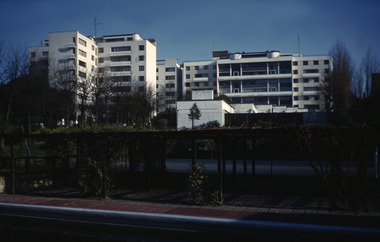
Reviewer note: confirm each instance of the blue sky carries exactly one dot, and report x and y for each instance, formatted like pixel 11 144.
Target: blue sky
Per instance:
pixel 189 30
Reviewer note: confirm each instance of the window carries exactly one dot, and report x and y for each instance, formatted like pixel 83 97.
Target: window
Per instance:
pixel 306 80
pixel 187 68
pixel 141 78
pixel 295 89
pixel 156 69
pixel 205 84
pixel 187 84
pixel 170 94
pixel 309 71
pixel 306 98
pixel 121 58
pixel 120 48
pixel 295 63
pixel 141 88
pixel 316 62
pixel 82 42
pixel 201 75
pixel 101 60
pixel 82 53
pixel 170 85
pixel 121 89
pixel 196 84
pixel 82 74
pixel 82 64
pixel 169 77
pixel 141 68
pixel 187 76
pixel 141 58
pixel 326 62
pixel 311 89
pixel 92 47
pixel 170 69
pixel 214 67
pixel 205 67
pixel 295 98
pixel 45 53
pixel 32 54
pixel 316 79
pixel 295 80
pixel 92 58
pixel 305 63
pixel 120 68
pixel 101 50
pixel 295 72
pixel 141 47
pixel 121 78
pixel 327 71
pixel 197 68
pixel 101 70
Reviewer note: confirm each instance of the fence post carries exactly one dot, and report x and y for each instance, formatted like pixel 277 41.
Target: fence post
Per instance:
pixel 12 168
pixel 163 158
pixel 234 164
pixel 253 162
pixel 245 160
pixel 220 179
pixel 194 151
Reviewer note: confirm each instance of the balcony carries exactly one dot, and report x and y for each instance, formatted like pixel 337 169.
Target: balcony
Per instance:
pixel 201 79
pixel 70 56
pixel 311 93
pixel 120 63
pixel 71 46
pixel 120 53
pixel 253 77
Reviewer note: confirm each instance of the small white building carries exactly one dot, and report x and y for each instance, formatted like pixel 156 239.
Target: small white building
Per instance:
pixel 215 110
pixel 211 110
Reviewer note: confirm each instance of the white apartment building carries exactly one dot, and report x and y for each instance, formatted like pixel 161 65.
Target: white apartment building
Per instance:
pixel 129 61
pixel 198 75
pixel 168 83
pixel 262 78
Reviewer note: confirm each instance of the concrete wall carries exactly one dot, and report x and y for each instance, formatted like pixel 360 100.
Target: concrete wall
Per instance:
pixel 211 110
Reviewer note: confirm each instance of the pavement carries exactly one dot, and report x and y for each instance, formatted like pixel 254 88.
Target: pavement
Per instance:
pixel 293 212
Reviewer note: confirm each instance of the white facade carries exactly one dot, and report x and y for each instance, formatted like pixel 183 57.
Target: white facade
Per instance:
pixel 262 78
pixel 128 59
pixel 211 110
pixel 198 75
pixel 168 83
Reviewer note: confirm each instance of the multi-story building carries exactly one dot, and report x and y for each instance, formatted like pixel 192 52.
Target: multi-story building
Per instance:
pixel 262 78
pixel 168 83
pixel 198 75
pixel 128 61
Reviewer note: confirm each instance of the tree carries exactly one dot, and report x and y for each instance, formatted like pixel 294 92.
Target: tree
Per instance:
pixel 337 85
pixel 63 78
pixel 370 64
pixel 194 114
pixel 102 94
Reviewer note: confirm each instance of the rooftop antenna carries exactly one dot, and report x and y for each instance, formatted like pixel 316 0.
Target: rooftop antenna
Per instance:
pixel 299 50
pixel 95 24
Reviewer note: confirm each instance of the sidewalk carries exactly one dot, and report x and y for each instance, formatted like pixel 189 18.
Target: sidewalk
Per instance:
pixel 288 209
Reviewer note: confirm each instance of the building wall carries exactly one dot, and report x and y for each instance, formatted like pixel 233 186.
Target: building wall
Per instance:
pixel 197 76
pixel 168 80
pixel 262 78
pixel 211 110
